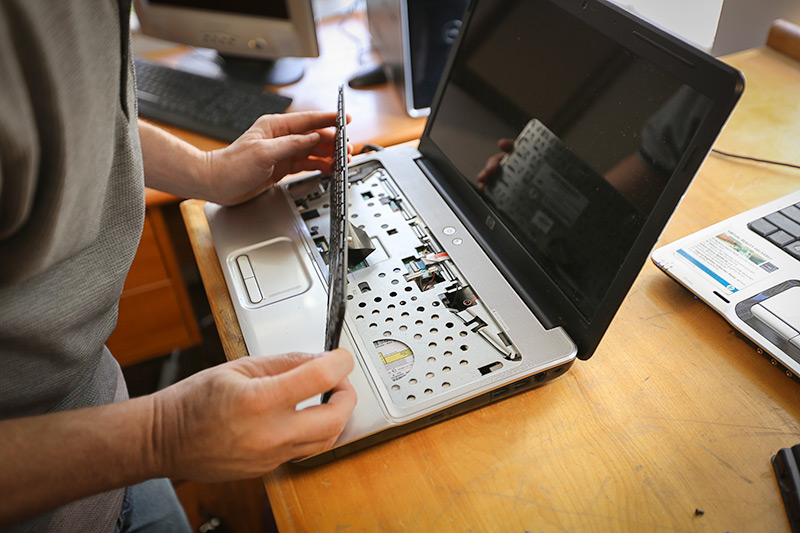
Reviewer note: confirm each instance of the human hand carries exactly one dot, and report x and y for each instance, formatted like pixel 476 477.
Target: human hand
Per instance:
pixel 485 175
pixel 274 146
pixel 238 420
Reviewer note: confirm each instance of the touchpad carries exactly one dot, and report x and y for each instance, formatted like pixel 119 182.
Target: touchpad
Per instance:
pixel 269 272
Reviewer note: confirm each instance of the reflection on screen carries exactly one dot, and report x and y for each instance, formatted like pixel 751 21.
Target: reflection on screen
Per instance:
pixel 570 144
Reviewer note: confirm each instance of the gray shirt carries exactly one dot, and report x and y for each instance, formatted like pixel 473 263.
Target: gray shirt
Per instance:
pixel 71 214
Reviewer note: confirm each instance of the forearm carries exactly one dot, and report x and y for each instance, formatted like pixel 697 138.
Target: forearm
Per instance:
pixel 53 459
pixel 226 422
pixel 171 164
pixel 273 147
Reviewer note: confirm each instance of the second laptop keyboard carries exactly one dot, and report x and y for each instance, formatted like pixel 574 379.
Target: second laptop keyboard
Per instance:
pixel 217 108
pixel 782 228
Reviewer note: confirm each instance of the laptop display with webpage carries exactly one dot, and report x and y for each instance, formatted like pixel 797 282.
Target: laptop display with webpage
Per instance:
pixel 747 268
pixel 463 291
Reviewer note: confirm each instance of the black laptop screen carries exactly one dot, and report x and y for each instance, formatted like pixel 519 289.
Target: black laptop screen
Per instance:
pixel 566 135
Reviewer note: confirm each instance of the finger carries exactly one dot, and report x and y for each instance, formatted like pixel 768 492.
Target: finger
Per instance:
pixel 491 166
pixel 327 138
pixel 307 449
pixel 327 134
pixel 257 367
pixel 289 146
pixel 294 123
pixel 311 163
pixel 313 377
pixel 325 421
pixel 322 150
pixel 326 151
pixel 308 429
pixel 505 145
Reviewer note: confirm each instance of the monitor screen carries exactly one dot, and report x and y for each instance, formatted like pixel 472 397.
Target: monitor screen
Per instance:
pixel 581 137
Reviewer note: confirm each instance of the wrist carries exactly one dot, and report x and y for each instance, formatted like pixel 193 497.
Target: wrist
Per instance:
pixel 175 166
pixel 159 447
pixel 209 172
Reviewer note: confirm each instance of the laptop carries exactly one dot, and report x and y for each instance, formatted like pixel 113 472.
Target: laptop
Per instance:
pixel 585 126
pixel 747 268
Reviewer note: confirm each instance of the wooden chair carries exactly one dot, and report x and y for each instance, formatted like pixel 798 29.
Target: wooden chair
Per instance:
pixel 784 37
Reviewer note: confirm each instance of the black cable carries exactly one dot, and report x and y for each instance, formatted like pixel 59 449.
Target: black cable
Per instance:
pixel 756 159
pixel 370 148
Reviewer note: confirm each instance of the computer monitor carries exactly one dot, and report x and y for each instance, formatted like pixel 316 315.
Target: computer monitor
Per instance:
pixel 258 41
pixel 745 24
pixel 413 39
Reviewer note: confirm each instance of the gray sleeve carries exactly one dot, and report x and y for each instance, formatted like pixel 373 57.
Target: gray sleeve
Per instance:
pixel 19 154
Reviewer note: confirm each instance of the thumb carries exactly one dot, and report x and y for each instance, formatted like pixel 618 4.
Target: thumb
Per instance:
pixel 270 365
pixel 322 373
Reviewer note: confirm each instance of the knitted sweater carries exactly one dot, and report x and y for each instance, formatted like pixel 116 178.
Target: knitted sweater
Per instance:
pixel 71 214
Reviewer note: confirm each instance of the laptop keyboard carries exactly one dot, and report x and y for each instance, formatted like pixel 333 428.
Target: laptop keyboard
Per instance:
pixel 337 240
pixel 782 228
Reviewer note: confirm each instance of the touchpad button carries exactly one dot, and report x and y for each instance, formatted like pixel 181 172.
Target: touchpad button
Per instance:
pixel 273 268
pixel 786 306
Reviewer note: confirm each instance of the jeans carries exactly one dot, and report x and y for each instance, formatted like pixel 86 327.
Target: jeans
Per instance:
pixel 152 507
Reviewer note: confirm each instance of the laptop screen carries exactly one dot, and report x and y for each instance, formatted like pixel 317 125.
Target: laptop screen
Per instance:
pixel 567 137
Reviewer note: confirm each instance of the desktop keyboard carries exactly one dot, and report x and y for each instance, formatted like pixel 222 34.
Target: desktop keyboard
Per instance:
pixel 218 108
pixel 782 228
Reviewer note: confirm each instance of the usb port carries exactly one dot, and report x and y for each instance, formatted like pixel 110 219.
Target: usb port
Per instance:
pixel 521 383
pixel 502 391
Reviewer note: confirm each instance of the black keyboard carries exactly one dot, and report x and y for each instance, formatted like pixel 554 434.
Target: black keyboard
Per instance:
pixel 781 228
pixel 218 108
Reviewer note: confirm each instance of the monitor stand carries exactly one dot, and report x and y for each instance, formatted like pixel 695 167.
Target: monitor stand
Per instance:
pixel 208 62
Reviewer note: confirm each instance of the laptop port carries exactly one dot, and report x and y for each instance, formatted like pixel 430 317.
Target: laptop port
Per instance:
pixel 497 393
pixel 521 383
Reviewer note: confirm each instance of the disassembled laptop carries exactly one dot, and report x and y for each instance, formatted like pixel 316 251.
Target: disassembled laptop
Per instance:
pixel 428 329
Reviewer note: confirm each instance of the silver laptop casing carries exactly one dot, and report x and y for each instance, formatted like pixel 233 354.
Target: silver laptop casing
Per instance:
pixel 292 278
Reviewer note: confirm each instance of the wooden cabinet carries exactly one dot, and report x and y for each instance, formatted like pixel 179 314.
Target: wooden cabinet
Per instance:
pixel 155 314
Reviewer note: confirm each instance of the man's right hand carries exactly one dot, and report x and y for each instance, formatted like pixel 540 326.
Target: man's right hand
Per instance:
pixel 239 420
pixel 232 421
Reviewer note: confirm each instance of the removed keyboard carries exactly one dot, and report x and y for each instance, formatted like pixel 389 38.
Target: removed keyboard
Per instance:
pixel 218 108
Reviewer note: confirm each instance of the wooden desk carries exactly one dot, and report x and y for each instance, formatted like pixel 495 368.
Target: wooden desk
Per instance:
pixel 673 414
